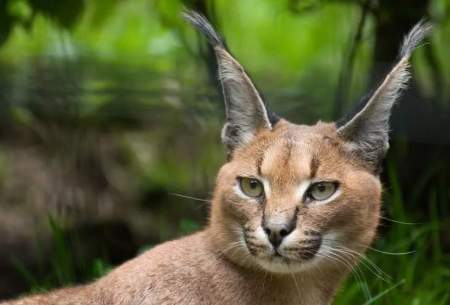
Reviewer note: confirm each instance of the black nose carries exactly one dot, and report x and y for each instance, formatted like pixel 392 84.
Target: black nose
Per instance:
pixel 276 233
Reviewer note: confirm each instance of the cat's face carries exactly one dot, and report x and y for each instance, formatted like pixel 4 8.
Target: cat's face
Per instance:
pixel 294 198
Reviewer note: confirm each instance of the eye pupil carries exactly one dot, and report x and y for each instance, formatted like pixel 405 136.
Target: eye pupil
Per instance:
pixel 321 187
pixel 253 184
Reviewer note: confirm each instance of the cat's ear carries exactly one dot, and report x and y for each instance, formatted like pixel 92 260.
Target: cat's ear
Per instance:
pixel 246 113
pixel 367 129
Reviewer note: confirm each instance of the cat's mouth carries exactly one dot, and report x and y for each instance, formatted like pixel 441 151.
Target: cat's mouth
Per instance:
pixel 284 257
pixel 302 253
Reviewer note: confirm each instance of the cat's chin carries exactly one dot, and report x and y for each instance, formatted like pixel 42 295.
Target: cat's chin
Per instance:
pixel 279 264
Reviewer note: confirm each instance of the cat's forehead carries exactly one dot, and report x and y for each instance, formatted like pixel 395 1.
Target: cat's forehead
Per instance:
pixel 298 148
pixel 293 138
pixel 303 134
pixel 292 150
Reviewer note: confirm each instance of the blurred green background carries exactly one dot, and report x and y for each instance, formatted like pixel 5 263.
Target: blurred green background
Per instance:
pixel 110 123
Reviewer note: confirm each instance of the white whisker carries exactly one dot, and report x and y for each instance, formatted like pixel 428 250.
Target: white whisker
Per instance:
pixel 190 197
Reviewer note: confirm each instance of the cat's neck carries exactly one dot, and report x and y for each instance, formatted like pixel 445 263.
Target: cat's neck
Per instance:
pixel 313 286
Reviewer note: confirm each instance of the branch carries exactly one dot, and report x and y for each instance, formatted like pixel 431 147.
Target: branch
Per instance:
pixel 346 74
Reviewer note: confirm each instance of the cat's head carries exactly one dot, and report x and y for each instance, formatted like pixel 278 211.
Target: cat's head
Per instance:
pixel 295 196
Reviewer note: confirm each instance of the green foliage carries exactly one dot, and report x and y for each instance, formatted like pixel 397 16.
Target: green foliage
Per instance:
pixel 409 254
pixel 65 267
pixel 188 226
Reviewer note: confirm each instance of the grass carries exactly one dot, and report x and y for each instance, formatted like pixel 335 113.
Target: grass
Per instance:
pixel 409 251
pixel 64 267
pixel 406 265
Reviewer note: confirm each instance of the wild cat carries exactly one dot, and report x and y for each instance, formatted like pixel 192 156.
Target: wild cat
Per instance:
pixel 294 206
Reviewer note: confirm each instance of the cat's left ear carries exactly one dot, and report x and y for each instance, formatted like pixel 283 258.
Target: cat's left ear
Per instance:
pixel 367 130
pixel 246 112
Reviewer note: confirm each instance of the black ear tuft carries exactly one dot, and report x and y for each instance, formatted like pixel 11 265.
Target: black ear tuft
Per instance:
pixel 202 24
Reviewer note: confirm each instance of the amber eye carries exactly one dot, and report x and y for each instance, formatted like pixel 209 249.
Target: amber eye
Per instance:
pixel 251 187
pixel 321 190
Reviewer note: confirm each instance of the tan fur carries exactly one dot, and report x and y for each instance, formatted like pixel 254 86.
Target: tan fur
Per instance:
pixel 216 266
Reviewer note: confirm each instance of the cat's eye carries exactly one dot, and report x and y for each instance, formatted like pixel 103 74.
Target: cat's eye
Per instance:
pixel 251 187
pixel 321 190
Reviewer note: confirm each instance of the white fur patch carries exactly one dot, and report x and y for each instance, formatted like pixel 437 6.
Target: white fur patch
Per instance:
pixel 302 188
pixel 266 185
pixel 261 235
pixel 328 240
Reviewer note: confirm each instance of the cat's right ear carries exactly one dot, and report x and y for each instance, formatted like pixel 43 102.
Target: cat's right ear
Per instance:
pixel 246 113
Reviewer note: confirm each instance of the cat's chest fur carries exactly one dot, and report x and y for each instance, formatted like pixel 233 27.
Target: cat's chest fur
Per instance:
pixel 187 272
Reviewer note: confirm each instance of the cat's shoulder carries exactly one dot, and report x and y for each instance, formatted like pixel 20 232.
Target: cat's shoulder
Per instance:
pixel 172 271
pixel 170 254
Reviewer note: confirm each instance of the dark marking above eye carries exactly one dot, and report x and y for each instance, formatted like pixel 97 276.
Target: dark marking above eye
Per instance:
pixel 315 163
pixel 259 162
pixel 287 157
